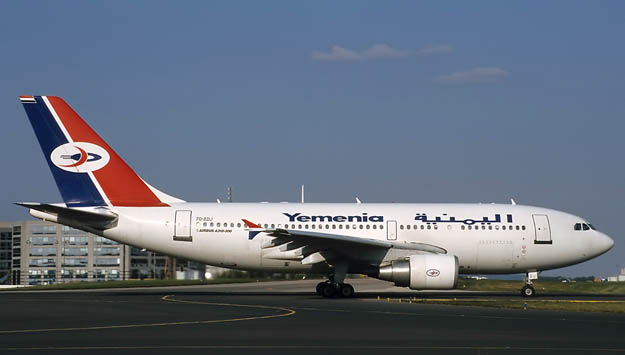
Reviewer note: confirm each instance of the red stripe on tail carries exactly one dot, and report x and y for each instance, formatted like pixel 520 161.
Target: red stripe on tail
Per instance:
pixel 122 186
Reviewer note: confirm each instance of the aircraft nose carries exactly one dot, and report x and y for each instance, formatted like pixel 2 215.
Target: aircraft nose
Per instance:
pixel 603 243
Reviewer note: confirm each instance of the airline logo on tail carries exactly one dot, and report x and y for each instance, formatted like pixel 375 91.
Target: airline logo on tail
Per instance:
pixel 72 148
pixel 79 157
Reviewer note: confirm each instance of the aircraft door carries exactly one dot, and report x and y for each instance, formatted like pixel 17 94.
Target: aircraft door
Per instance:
pixel 391 230
pixel 542 229
pixel 182 226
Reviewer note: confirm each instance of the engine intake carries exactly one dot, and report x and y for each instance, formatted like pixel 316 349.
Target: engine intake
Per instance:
pixel 422 272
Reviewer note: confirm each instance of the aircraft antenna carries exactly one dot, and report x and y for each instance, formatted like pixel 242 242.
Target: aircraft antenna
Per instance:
pixel 229 193
pixel 302 193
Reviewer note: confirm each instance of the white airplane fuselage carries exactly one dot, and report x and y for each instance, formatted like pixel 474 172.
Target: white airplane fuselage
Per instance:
pixel 421 246
pixel 217 235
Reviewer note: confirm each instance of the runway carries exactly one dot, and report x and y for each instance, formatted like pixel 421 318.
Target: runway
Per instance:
pixel 286 317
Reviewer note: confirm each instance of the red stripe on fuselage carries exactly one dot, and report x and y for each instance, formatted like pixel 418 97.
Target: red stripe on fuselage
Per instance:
pixel 122 186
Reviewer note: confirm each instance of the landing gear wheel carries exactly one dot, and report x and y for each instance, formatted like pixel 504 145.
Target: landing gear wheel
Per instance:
pixel 328 290
pixel 528 291
pixel 320 287
pixel 346 291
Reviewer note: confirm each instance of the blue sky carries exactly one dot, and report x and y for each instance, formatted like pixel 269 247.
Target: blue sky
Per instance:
pixel 388 101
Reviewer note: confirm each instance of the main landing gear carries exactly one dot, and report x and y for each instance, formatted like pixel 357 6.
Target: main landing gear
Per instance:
pixel 330 289
pixel 528 290
pixel 335 286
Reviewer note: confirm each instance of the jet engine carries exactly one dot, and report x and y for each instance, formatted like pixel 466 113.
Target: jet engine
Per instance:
pixel 422 272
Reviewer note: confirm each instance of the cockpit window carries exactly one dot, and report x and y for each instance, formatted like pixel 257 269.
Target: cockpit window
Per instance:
pixel 583 226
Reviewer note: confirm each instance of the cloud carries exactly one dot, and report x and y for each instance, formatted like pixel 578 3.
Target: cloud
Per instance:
pixel 475 75
pixel 376 51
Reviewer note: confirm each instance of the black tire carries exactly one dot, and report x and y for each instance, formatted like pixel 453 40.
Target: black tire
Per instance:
pixel 346 291
pixel 320 287
pixel 328 290
pixel 528 291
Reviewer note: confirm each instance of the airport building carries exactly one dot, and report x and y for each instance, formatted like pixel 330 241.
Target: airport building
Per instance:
pixel 37 252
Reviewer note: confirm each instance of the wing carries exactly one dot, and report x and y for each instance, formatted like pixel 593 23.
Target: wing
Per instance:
pixel 314 247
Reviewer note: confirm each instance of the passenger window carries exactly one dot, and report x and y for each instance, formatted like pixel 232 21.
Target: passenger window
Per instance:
pixel 368 226
pixel 381 226
pixel 462 227
pixel 490 227
pixel 407 226
pixel 578 226
pixel 422 227
pixel 469 227
pixel 361 226
pixel 347 226
pixel 313 226
pixel 517 227
pixel 375 226
pixel 340 226
pixel 401 226
pixel 429 226
pixel 522 227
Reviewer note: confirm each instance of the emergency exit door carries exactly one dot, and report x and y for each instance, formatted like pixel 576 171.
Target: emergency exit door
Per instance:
pixel 542 229
pixel 182 226
pixel 391 230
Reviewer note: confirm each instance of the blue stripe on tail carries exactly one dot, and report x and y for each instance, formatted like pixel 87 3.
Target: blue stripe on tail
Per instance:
pixel 77 189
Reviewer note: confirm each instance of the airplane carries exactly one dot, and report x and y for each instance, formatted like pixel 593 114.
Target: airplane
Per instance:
pixel 419 246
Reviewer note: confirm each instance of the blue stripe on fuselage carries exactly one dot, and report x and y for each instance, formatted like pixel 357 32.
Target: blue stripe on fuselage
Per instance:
pixel 77 189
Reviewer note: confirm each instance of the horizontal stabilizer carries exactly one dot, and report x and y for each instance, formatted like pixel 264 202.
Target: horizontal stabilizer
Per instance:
pixel 98 219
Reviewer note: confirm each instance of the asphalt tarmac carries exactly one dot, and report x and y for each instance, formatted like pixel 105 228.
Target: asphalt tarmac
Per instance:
pixel 287 318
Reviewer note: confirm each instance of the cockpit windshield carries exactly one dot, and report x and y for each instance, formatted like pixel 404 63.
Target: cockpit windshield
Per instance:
pixel 583 227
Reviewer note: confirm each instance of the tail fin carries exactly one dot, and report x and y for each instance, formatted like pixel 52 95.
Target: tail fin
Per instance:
pixel 87 171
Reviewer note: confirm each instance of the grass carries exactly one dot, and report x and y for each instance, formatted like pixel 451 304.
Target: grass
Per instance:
pixel 542 287
pixel 135 283
pixel 555 287
pixel 530 304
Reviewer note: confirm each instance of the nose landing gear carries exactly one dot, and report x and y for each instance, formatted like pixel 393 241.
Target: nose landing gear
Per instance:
pixel 528 290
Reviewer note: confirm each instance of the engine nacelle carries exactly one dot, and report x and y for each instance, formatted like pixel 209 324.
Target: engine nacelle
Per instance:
pixel 423 272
